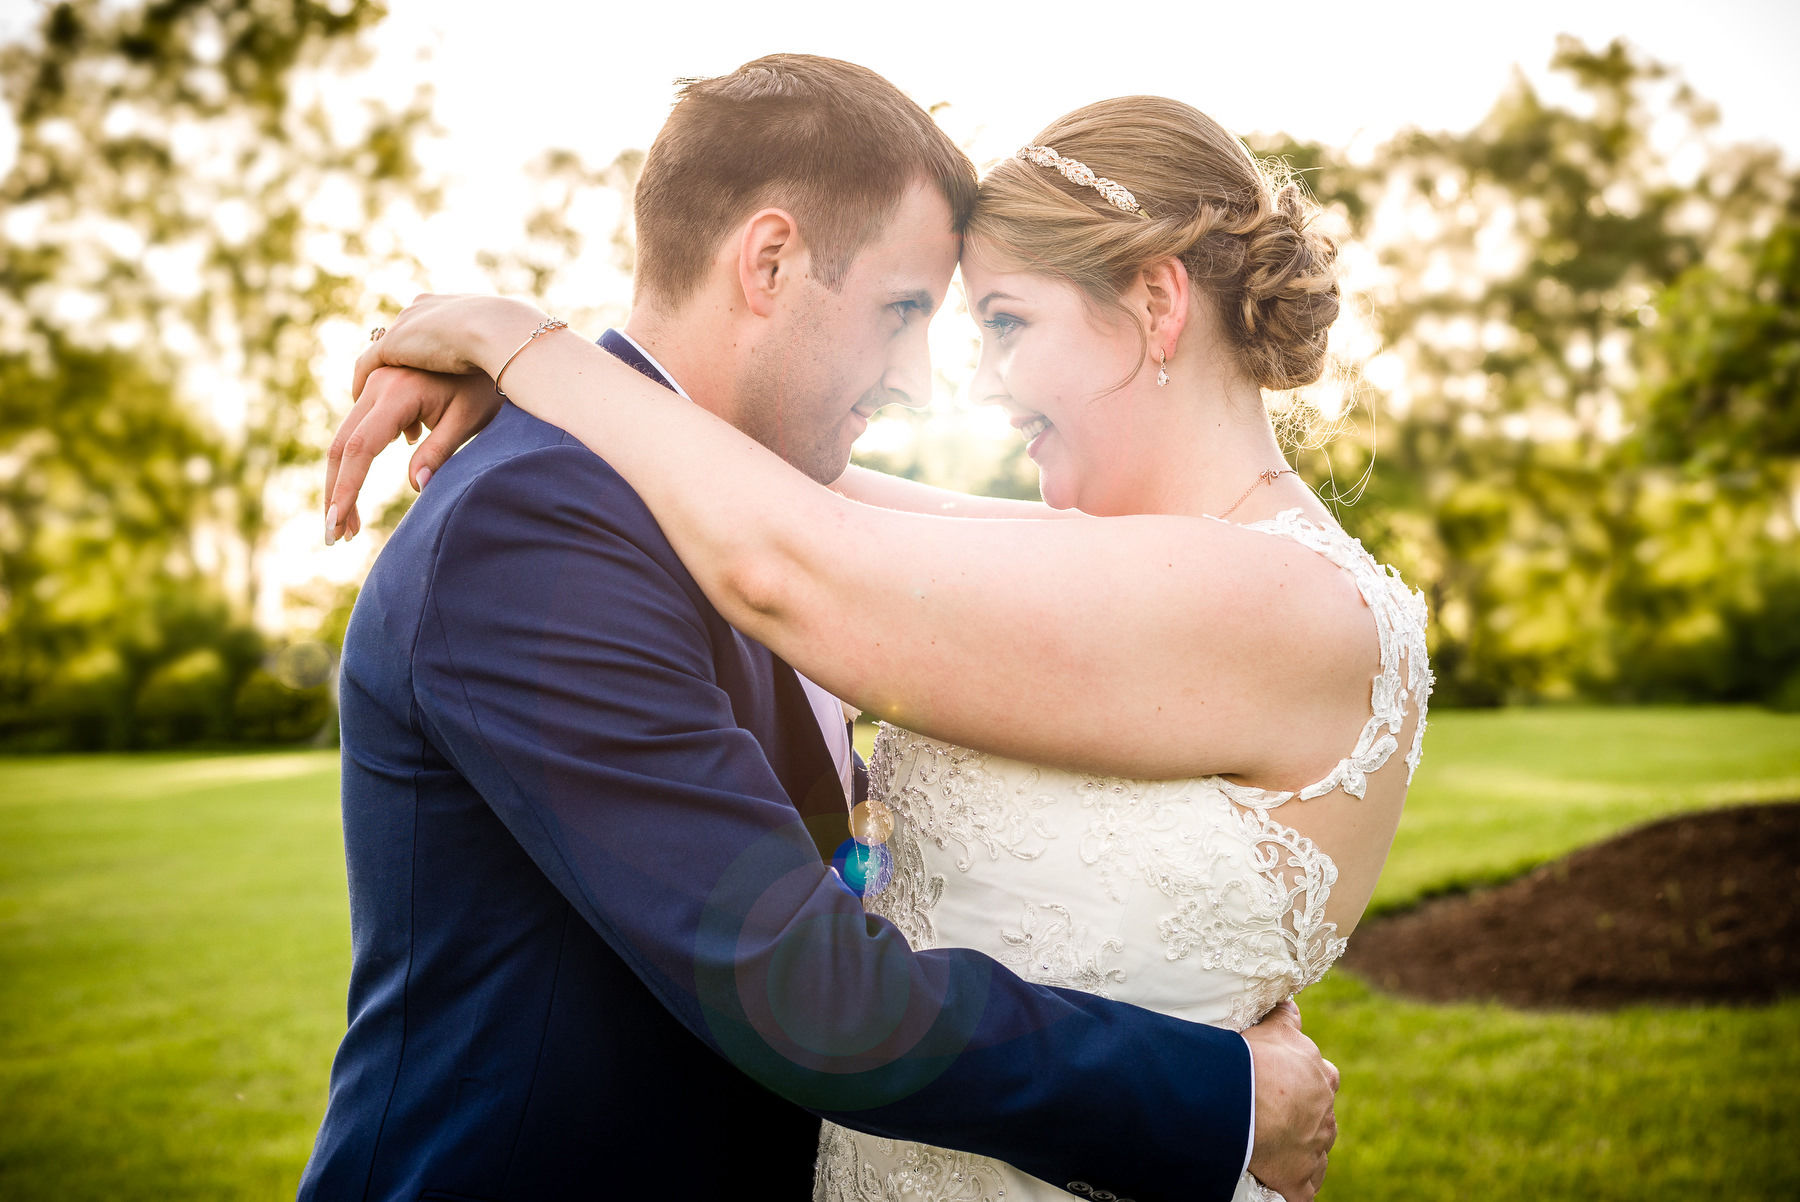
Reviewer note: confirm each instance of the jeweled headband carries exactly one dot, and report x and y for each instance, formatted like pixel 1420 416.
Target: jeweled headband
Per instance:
pixel 1077 172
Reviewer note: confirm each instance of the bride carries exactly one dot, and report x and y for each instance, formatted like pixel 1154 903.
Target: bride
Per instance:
pixel 1155 748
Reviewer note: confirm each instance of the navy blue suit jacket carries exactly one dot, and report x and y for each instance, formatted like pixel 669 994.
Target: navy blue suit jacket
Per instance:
pixel 595 949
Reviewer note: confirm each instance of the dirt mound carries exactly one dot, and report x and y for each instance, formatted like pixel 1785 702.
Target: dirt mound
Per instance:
pixel 1700 908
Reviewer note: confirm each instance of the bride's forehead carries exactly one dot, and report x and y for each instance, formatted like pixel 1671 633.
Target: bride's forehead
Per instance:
pixel 984 273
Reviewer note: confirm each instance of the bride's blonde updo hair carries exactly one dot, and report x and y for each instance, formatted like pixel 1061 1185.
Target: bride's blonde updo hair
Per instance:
pixel 1240 226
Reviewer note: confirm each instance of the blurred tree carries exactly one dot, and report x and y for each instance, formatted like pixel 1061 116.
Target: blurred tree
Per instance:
pixel 1724 381
pixel 101 575
pixel 1721 439
pixel 190 187
pixel 1511 273
pixel 557 264
pixel 195 200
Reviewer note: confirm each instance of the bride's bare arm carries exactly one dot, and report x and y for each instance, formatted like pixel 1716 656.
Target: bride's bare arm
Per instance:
pixel 893 492
pixel 1144 646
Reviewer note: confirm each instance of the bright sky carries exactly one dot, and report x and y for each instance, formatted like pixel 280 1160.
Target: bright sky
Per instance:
pixel 514 78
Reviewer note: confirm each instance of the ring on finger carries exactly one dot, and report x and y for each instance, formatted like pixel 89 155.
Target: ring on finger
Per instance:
pixel 376 333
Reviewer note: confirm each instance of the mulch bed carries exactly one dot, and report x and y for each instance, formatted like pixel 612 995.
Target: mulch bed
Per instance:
pixel 1702 908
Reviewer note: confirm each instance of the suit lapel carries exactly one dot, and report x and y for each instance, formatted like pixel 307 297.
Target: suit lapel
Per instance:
pixel 810 775
pixel 798 753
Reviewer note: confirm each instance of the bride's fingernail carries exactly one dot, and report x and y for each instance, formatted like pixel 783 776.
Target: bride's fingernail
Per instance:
pixel 421 478
pixel 331 525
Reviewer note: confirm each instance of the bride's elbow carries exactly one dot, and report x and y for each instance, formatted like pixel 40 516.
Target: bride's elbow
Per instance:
pixel 774 580
pixel 756 588
pixel 768 588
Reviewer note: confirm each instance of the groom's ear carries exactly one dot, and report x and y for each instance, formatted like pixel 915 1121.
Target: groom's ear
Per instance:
pixel 771 259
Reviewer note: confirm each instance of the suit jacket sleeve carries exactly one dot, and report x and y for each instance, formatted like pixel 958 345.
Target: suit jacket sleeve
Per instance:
pixel 566 667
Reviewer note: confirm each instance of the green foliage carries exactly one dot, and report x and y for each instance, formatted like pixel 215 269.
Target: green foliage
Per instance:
pixel 267 709
pixel 187 211
pixel 1587 443
pixel 1725 394
pixel 174 951
pixel 180 702
pixel 558 261
pixel 103 588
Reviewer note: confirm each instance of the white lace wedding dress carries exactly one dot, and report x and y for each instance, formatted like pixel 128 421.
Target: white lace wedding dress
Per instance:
pixel 1188 897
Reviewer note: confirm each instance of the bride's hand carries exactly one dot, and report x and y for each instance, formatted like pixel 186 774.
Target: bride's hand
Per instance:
pixel 395 401
pixel 455 334
pixel 430 368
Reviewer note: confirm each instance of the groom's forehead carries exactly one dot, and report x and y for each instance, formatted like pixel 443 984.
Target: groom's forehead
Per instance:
pixel 916 249
pixel 915 273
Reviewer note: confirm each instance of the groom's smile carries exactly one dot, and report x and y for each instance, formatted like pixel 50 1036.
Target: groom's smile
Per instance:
pixel 865 339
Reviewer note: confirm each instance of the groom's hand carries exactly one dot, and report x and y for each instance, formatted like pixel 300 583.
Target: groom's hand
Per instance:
pixel 1295 1091
pixel 395 401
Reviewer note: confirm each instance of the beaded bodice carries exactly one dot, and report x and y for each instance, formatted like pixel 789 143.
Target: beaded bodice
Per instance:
pixel 1189 897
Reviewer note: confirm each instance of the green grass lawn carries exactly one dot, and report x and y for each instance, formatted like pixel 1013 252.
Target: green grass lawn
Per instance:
pixel 174 948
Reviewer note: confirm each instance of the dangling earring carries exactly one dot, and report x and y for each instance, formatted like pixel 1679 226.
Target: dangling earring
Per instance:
pixel 1162 374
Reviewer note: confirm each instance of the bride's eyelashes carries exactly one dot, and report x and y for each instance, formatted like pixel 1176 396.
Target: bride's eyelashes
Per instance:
pixel 1002 325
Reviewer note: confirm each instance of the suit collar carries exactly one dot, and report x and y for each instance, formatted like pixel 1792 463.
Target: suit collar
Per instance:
pixel 623 348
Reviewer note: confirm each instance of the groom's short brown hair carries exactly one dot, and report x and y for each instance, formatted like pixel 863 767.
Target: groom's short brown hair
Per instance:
pixel 834 144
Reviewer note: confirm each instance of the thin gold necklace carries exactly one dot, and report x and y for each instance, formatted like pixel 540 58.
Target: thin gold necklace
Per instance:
pixel 1268 477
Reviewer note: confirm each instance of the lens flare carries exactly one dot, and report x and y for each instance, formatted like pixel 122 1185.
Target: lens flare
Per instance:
pixel 871 821
pixel 866 868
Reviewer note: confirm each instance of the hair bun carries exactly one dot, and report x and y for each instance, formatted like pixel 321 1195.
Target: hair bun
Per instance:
pixel 1288 291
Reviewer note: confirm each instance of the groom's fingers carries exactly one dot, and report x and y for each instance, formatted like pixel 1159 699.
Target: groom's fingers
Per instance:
pixel 1287 1012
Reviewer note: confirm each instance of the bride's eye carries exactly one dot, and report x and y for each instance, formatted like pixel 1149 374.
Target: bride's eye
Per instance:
pixel 1002 325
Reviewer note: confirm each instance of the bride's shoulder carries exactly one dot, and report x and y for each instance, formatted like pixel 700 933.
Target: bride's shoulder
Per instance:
pixel 1322 534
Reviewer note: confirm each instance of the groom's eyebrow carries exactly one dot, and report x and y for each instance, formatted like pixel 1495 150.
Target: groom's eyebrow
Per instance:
pixel 926 302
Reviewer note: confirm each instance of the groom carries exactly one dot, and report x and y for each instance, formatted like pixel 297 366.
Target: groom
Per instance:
pixel 595 948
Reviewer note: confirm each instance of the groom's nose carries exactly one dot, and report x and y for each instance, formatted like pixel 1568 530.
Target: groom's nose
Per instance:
pixel 907 380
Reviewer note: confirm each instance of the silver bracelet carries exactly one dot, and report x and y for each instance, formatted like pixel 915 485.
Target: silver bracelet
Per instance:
pixel 544 327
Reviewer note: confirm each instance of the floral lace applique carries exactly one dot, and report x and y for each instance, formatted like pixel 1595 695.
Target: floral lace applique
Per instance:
pixel 918 1172
pixel 1050 949
pixel 841 1174
pixel 1277 938
pixel 1136 831
pixel 946 794
pixel 968 805
pixel 912 892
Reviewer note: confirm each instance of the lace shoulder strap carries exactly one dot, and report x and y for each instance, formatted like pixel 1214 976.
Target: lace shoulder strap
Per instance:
pixel 1405 673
